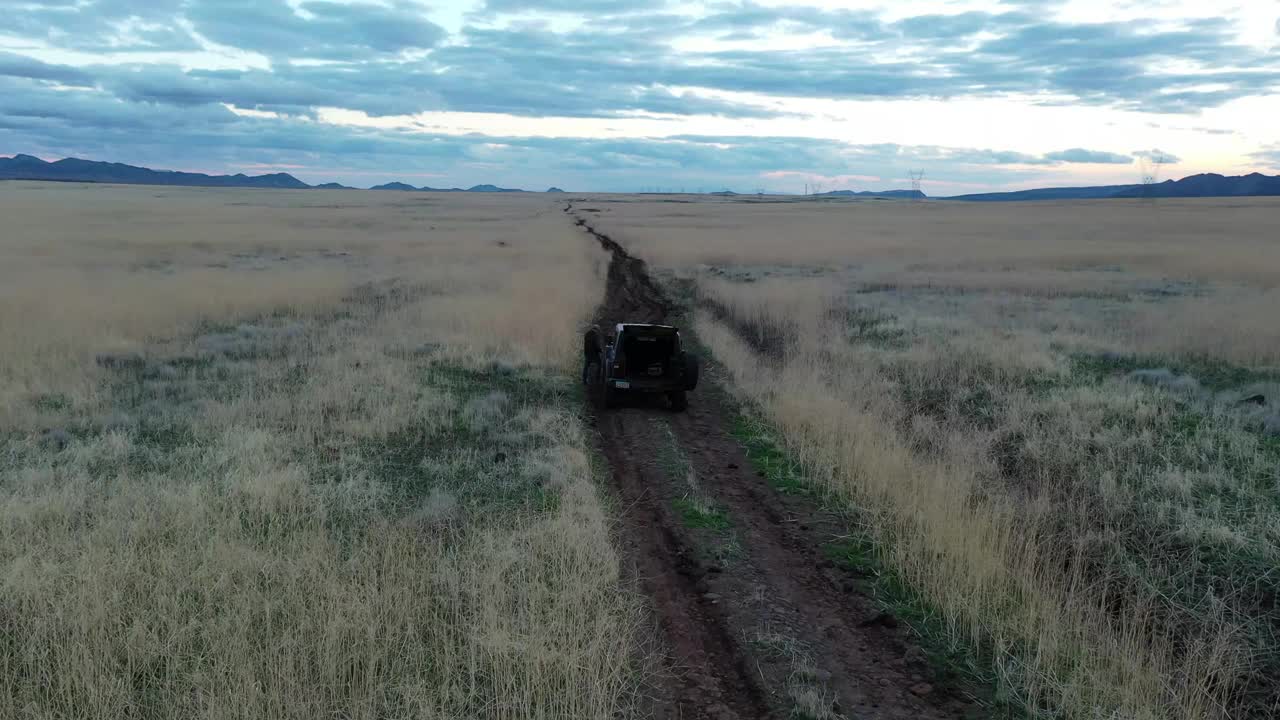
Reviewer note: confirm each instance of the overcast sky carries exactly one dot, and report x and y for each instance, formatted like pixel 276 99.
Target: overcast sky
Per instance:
pixel 620 95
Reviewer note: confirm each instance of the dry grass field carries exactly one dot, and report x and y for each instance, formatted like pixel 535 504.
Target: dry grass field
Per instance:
pixel 299 455
pixel 1057 423
pixel 284 454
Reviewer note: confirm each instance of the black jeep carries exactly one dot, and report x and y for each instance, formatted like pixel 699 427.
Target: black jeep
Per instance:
pixel 638 359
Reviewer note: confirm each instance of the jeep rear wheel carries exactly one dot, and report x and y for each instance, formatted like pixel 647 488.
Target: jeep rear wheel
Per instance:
pixel 690 371
pixel 595 385
pixel 679 400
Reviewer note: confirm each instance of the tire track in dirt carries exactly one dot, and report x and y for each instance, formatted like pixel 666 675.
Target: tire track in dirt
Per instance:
pixel 721 621
pixel 705 675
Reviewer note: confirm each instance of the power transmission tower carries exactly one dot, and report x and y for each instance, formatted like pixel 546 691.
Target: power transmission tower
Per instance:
pixel 1149 165
pixel 917 178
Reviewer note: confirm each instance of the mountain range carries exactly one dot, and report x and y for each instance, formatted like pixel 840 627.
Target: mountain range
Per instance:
pixel 896 194
pixel 1206 185
pixel 27 167
pixel 473 188
pixel 893 194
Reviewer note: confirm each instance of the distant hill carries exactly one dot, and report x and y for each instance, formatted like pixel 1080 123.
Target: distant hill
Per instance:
pixel 1207 185
pixel 475 188
pixel 1210 185
pixel 1063 193
pixel 901 194
pixel 490 188
pixel 26 167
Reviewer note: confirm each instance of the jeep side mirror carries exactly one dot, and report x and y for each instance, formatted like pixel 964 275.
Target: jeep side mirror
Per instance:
pixel 609 341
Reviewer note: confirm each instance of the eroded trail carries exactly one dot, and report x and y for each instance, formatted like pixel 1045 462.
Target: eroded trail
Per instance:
pixel 754 620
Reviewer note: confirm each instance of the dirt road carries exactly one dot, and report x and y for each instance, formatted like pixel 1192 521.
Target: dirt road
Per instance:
pixel 756 622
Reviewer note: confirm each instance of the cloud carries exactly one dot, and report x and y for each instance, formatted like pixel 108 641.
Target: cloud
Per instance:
pixel 103 25
pixel 569 6
pixel 1120 63
pixel 406 88
pixel 254 89
pixel 96 124
pixel 1268 155
pixel 317 29
pixel 1080 155
pixel 13 65
pixel 85 111
pixel 590 59
pixel 1115 63
pixel 748 19
pixel 1157 156
pixel 619 62
pixel 958 25
pixel 320 29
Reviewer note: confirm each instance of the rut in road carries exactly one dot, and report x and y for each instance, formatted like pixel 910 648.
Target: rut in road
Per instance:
pixel 772 629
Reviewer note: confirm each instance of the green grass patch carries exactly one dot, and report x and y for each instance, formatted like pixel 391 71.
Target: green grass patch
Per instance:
pixel 479 449
pixel 695 510
pixel 193 363
pixel 874 328
pixel 697 515
pixel 952 660
pixel 51 402
pixel 768 458
pixel 855 555
pixel 478 453
pixel 525 385
pixel 673 463
pixel 1211 373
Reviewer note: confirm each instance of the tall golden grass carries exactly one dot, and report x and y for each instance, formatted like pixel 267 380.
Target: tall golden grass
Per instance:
pixel 1211 239
pixel 983 562
pixel 1218 253
pixel 1103 540
pixel 306 484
